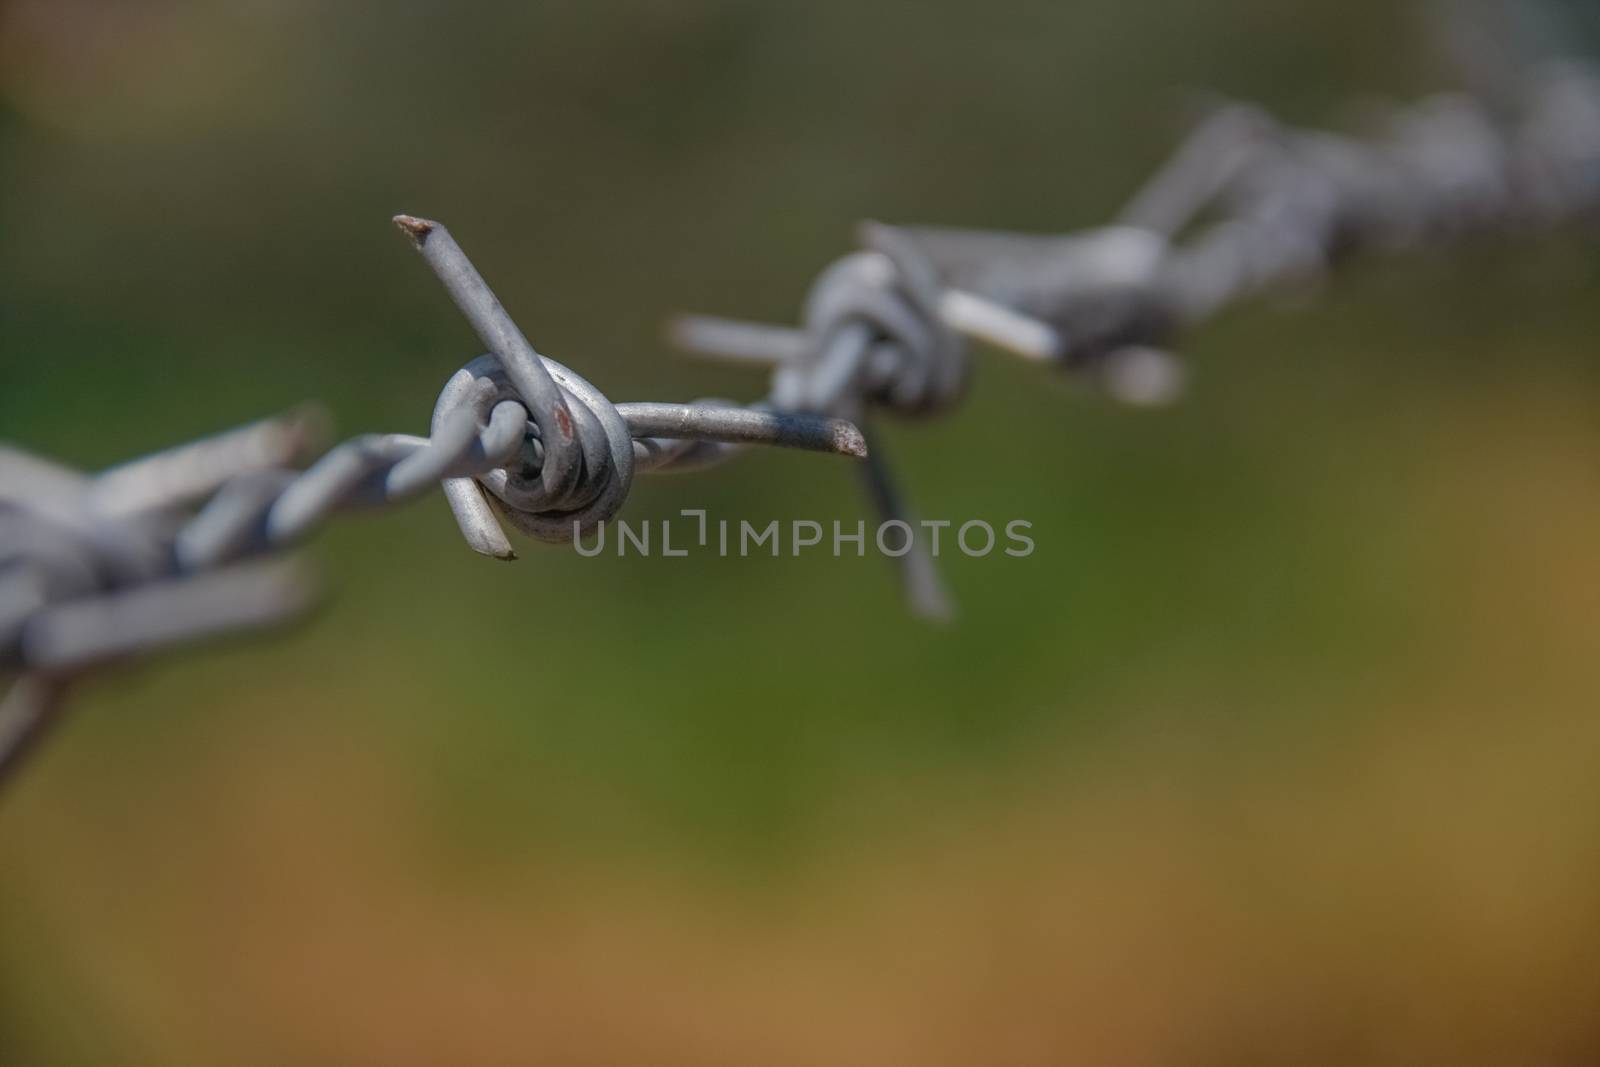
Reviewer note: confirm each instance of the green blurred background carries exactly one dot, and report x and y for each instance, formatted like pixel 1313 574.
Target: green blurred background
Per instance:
pixel 1280 748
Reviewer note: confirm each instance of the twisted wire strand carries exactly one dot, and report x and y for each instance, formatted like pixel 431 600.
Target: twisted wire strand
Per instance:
pixel 170 548
pixel 181 545
pixel 583 448
pixel 1245 206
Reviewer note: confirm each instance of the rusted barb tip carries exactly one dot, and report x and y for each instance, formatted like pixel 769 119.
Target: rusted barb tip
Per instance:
pixel 417 229
pixel 849 439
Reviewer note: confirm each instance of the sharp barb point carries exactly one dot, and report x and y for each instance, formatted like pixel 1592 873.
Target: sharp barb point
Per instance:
pixel 417 229
pixel 851 441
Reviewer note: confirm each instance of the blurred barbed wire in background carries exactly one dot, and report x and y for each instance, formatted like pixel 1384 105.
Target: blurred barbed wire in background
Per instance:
pixel 172 548
pixel 1247 205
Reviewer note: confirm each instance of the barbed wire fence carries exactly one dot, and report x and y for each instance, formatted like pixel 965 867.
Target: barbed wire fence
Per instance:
pixel 189 543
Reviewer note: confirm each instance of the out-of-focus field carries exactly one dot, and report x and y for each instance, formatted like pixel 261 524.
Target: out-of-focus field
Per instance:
pixel 1279 749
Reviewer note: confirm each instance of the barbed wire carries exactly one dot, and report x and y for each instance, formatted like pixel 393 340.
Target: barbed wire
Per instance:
pixel 182 545
pixel 1246 206
pixel 99 569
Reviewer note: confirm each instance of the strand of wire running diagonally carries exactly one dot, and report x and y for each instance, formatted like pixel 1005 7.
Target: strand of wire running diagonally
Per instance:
pixel 181 545
pixel 1246 206
pixel 172 547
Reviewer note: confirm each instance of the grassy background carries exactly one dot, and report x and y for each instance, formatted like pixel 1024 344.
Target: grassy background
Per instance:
pixel 1278 748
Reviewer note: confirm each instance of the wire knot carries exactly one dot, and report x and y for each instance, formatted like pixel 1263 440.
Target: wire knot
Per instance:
pixel 875 334
pixel 553 453
pixel 570 463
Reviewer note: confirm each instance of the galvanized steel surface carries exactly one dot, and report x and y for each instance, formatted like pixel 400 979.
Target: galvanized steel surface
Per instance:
pixel 180 546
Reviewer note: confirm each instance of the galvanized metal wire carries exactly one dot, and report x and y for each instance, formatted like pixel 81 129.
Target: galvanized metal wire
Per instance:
pixel 186 544
pixel 175 547
pixel 1245 207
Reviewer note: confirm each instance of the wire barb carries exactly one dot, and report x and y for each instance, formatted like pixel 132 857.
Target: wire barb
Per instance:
pixel 1246 206
pixel 168 549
